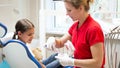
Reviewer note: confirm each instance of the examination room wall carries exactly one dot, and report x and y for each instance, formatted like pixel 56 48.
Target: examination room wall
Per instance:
pixel 13 10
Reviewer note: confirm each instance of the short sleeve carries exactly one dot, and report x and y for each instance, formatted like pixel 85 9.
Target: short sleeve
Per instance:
pixel 95 35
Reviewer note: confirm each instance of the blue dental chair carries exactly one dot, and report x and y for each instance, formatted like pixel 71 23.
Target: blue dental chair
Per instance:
pixel 18 55
pixel 3 31
pixel 14 53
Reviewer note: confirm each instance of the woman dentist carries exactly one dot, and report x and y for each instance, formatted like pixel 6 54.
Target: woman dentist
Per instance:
pixel 85 34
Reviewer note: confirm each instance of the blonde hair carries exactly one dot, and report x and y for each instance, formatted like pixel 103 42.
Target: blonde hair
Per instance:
pixel 77 3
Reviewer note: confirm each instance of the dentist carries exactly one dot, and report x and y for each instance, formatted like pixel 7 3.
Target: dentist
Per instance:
pixel 85 34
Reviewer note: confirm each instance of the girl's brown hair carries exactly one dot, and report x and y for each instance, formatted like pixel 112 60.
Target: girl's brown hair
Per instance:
pixel 22 25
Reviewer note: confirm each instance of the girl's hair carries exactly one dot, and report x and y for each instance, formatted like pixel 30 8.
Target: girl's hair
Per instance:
pixel 77 3
pixel 22 25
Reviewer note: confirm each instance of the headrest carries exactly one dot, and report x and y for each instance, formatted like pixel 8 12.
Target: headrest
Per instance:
pixel 21 48
pixel 3 30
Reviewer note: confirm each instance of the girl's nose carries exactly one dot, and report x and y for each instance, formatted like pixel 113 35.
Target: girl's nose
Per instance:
pixel 66 14
pixel 32 36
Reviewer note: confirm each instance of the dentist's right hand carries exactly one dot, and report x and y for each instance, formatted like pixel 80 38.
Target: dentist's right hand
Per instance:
pixel 50 44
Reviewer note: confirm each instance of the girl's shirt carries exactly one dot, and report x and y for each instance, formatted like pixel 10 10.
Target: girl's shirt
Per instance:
pixel 30 49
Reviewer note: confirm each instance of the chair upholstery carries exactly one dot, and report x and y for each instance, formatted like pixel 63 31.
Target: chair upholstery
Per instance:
pixel 3 30
pixel 18 55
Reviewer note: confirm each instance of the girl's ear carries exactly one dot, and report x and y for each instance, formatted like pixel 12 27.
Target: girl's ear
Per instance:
pixel 19 33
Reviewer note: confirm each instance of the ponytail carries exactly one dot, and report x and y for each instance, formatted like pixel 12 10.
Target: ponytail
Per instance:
pixel 15 36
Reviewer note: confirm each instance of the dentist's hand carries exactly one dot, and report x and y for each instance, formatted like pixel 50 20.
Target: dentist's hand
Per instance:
pixel 69 47
pixel 50 44
pixel 65 60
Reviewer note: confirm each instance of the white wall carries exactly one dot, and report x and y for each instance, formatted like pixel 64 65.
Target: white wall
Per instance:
pixel 13 10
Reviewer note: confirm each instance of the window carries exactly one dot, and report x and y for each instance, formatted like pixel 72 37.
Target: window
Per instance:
pixel 118 8
pixel 55 14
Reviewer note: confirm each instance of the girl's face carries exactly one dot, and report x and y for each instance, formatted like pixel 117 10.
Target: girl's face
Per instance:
pixel 27 36
pixel 74 13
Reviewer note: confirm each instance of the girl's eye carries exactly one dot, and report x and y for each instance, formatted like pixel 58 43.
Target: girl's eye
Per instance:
pixel 69 10
pixel 30 34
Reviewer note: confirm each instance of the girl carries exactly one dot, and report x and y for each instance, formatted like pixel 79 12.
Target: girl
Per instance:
pixel 24 31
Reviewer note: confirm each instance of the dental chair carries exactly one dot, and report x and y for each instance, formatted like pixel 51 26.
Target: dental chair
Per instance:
pixel 18 55
pixel 3 31
pixel 14 53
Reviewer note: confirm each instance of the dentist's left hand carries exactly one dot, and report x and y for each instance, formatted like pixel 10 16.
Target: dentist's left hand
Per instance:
pixel 65 60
